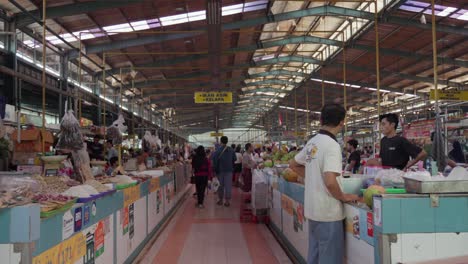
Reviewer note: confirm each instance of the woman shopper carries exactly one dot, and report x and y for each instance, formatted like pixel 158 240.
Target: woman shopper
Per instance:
pixel 237 166
pixel 248 163
pixel 201 169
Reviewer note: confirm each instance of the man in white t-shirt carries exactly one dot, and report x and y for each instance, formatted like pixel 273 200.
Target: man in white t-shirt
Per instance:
pixel 320 163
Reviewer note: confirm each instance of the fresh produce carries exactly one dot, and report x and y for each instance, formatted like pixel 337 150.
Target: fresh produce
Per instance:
pixel 289 175
pixel 268 164
pixel 370 192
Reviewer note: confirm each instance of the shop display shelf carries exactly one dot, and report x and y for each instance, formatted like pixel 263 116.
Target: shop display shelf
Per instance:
pixel 125 186
pixel 94 197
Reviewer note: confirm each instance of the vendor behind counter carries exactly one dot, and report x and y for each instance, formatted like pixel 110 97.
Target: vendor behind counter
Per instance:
pixel 395 151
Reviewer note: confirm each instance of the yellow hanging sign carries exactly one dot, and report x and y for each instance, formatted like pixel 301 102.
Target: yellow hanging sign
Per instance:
pixel 213 134
pixel 213 97
pixel 154 185
pixel 131 195
pixel 452 95
pixel 68 252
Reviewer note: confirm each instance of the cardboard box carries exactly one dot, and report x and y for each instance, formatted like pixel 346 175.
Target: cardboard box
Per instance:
pixel 31 169
pixel 24 158
pixel 31 140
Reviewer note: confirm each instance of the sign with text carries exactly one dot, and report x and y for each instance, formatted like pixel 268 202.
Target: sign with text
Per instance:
pixel 131 195
pixel 69 252
pixel 213 134
pixel 213 97
pixel 154 185
pixel 452 95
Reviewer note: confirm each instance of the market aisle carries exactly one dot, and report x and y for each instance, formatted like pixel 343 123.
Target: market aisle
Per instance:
pixel 214 235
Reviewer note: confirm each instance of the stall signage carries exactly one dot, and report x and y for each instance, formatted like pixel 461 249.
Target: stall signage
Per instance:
pixel 67 252
pixel 131 195
pixel 67 225
pixel 419 129
pixel 213 134
pixel 451 95
pixel 78 218
pixel 99 239
pixel 213 97
pixel 287 204
pixel 154 184
pixel 125 219
pixel 86 215
pixel 370 224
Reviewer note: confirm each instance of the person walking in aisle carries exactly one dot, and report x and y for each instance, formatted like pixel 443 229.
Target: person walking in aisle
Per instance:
pixel 201 170
pixel 248 163
pixel 111 151
pixel 223 162
pixel 320 163
pixel 237 166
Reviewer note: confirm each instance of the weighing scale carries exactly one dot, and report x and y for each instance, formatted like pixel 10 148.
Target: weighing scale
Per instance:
pixel 52 164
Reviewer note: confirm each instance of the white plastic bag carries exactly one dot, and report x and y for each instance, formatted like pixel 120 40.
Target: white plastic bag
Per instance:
pixel 115 131
pixel 215 184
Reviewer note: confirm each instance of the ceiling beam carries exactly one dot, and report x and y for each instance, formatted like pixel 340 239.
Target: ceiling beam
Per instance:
pixel 415 23
pixel 246 23
pixel 24 20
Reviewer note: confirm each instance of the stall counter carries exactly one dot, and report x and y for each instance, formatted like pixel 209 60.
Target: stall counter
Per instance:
pixel 111 229
pixel 407 228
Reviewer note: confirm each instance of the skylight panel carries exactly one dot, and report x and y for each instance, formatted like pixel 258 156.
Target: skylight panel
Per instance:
pixel 197 16
pixel 140 25
pixel 125 27
pixel 233 9
pixel 174 20
pixel 440 10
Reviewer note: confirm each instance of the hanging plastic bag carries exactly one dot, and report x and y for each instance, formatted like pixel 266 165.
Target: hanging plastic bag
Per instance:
pixel 215 184
pixel 114 132
pixel 70 137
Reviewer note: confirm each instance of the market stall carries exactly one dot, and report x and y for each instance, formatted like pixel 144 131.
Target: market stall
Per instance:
pixel 402 228
pixel 110 229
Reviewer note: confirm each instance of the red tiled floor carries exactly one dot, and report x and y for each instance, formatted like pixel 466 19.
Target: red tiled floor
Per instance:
pixel 213 235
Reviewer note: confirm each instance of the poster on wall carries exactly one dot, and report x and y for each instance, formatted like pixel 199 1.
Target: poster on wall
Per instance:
pixel 131 220
pixel 67 225
pixel 295 227
pixel 155 208
pixel 352 221
pixel 97 236
pixel 69 251
pixel 125 220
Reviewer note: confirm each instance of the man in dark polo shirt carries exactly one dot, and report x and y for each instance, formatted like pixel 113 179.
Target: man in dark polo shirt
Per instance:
pixel 395 151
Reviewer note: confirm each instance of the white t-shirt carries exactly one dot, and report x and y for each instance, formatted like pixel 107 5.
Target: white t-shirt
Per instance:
pixel 321 154
pixel 238 158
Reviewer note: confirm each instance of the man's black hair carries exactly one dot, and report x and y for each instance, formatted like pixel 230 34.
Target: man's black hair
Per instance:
pixel 247 146
pixel 224 140
pixel 353 143
pixel 113 161
pixel 110 141
pixel 332 114
pixel 391 118
pixel 97 136
pixel 233 146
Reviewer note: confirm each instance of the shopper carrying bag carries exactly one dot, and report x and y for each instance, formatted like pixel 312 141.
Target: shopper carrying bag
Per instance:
pixel 223 159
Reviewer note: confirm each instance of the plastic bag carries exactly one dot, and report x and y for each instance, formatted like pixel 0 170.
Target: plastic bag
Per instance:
pixel 115 131
pixel 215 184
pixel 70 137
pixel 391 177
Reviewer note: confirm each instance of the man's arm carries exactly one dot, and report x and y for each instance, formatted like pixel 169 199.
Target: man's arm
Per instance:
pixel 297 168
pixel 421 156
pixel 351 165
pixel 334 188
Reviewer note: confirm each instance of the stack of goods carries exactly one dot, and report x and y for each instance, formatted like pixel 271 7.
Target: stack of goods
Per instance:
pixel 81 191
pixel 15 197
pixel 51 185
pixel 97 185
pixel 52 202
pixel 390 178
